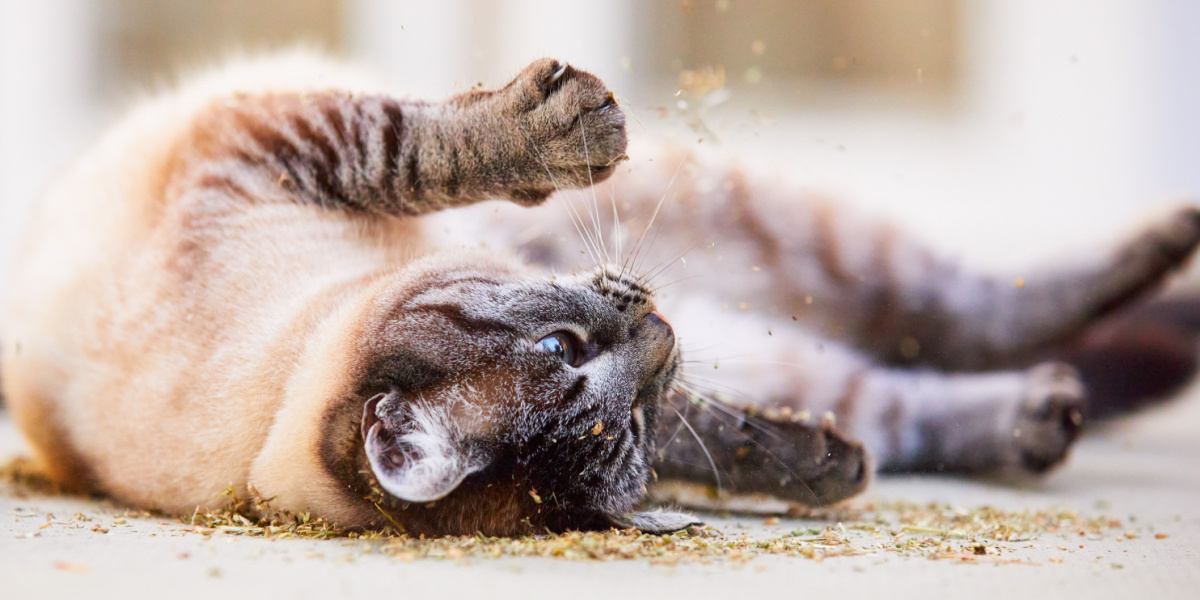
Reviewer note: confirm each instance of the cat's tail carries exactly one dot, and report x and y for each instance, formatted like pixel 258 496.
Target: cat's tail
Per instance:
pixel 1139 357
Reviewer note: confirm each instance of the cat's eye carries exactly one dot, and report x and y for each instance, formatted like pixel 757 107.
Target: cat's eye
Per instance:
pixel 563 344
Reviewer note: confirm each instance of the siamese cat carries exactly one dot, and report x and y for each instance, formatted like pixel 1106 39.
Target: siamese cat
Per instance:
pixel 245 284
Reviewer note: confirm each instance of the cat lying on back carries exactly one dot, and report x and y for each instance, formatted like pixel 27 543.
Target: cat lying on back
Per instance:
pixel 237 287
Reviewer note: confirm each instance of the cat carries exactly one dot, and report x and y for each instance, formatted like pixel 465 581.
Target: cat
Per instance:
pixel 245 284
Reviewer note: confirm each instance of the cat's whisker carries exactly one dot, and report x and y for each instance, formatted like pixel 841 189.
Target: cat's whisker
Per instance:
pixel 675 433
pixel 621 250
pixel 703 396
pixel 718 388
pixel 656 271
pixel 595 212
pixel 703 448
pixel 649 247
pixel 706 398
pixel 658 288
pixel 714 387
pixel 697 356
pixel 576 220
pixel 634 266
pixel 585 237
pixel 616 227
pixel 580 229
pixel 631 262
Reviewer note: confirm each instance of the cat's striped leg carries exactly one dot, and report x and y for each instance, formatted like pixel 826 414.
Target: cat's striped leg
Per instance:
pixel 1010 421
pixel 781 252
pixel 553 126
pixel 716 454
pixel 908 419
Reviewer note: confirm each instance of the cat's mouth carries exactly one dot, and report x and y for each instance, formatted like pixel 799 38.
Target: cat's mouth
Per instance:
pixel 652 392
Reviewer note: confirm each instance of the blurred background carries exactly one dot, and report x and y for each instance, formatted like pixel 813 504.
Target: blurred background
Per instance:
pixel 1000 130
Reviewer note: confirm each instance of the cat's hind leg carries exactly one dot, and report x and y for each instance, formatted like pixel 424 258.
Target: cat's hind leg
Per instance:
pixel 1007 422
pixel 717 451
pixel 785 252
pixel 908 419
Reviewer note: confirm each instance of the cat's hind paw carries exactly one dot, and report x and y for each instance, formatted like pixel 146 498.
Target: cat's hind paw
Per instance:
pixel 1144 262
pixel 1178 235
pixel 1049 417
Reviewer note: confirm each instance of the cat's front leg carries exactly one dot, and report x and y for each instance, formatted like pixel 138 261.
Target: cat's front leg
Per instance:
pixel 552 127
pixel 716 455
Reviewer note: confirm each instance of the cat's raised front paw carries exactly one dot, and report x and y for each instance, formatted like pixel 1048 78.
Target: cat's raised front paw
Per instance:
pixel 566 128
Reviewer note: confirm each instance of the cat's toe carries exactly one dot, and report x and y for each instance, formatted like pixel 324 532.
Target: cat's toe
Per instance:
pixel 1050 417
pixel 530 88
pixel 585 127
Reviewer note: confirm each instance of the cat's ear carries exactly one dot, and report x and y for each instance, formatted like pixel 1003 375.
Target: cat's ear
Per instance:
pixel 415 450
pixel 655 521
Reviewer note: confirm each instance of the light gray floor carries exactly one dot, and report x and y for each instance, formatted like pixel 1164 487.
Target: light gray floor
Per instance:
pixel 1145 472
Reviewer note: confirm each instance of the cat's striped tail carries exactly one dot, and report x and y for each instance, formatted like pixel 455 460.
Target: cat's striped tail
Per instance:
pixel 1139 357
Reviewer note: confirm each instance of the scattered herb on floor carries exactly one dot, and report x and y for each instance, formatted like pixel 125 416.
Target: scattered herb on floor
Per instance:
pixel 932 530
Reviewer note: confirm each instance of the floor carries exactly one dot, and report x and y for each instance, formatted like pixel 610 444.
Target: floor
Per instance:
pixel 1141 476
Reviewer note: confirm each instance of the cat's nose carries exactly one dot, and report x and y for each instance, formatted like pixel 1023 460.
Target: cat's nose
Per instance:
pixel 657 323
pixel 656 339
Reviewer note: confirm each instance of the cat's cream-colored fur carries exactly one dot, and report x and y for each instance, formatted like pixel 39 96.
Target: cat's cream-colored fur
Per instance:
pixel 92 269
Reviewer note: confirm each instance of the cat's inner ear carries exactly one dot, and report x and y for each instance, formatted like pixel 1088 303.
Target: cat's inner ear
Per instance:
pixel 415 450
pixel 655 521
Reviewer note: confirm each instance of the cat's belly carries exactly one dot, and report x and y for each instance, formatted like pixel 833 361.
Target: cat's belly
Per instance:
pixel 158 382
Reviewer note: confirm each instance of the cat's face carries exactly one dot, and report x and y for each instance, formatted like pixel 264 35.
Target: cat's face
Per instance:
pixel 532 399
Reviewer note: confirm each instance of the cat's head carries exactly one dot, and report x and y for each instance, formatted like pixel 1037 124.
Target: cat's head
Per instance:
pixel 502 402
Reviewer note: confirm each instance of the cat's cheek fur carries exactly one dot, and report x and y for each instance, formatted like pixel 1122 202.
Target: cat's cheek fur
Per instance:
pixel 294 465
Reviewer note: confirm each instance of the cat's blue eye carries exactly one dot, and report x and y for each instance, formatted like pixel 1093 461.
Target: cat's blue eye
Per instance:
pixel 562 344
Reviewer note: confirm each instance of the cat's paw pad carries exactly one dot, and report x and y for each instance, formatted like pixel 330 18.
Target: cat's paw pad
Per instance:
pixel 569 122
pixel 1049 418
